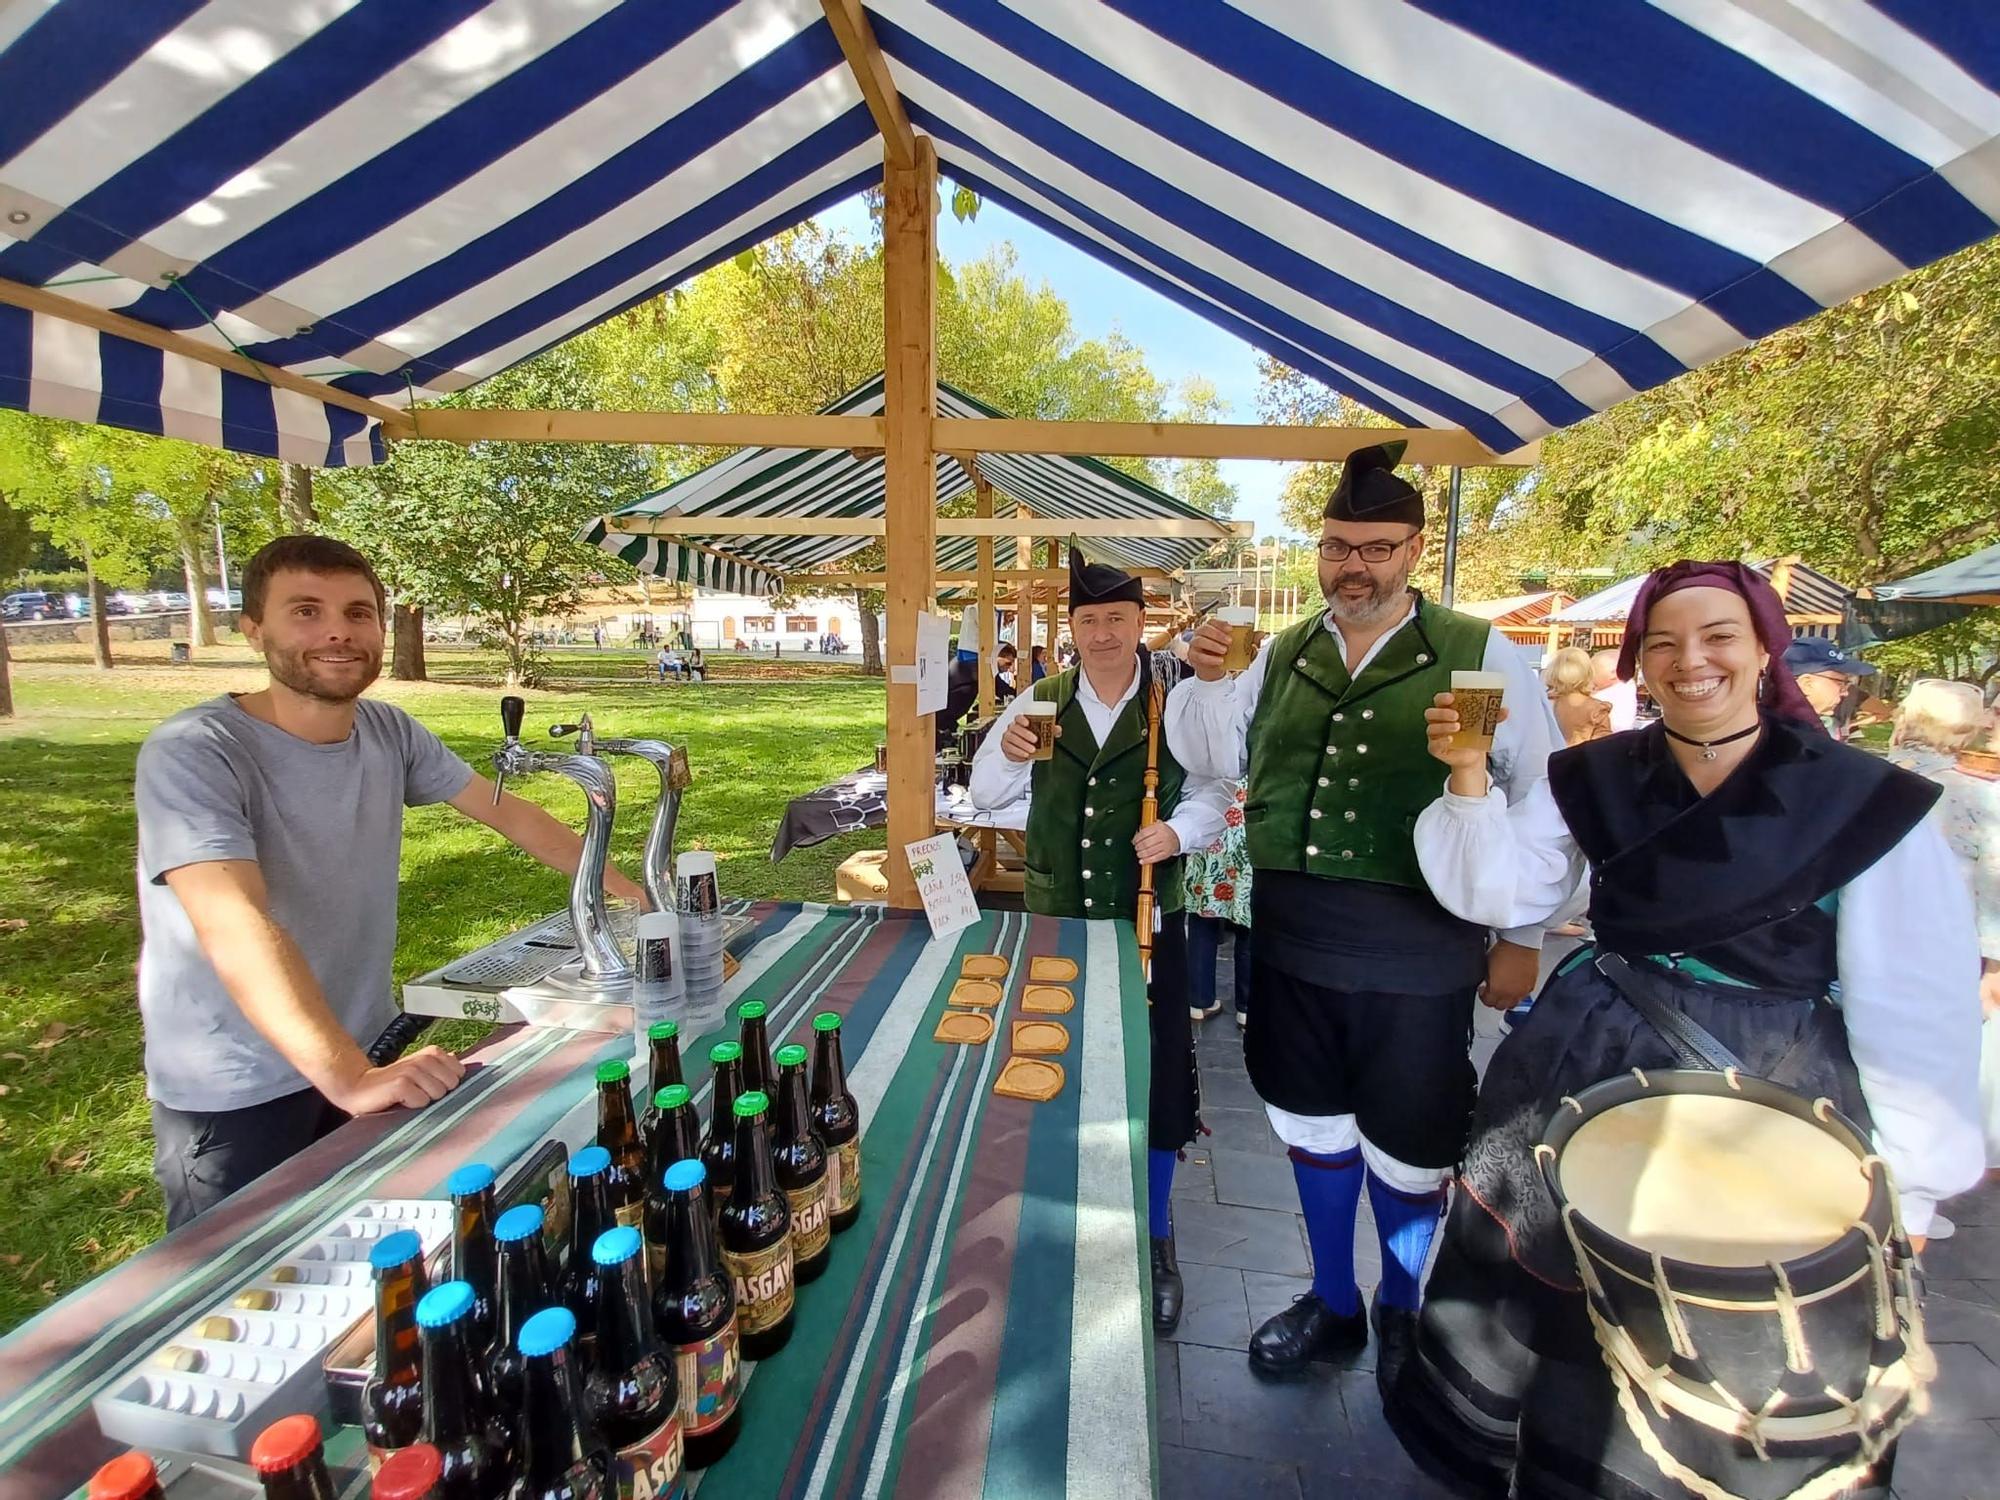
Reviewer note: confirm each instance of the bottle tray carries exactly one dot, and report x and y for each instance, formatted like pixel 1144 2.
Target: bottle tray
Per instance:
pixel 227 1374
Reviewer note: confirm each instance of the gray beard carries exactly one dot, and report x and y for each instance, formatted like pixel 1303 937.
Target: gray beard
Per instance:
pixel 1373 610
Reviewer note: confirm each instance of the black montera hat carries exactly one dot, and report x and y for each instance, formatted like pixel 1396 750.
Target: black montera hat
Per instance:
pixel 1100 583
pixel 1371 490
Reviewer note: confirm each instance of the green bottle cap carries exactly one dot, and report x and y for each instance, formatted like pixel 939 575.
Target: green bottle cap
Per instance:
pixel 752 1103
pixel 663 1031
pixel 826 1020
pixel 753 1010
pixel 725 1052
pixel 613 1072
pixel 793 1056
pixel 673 1096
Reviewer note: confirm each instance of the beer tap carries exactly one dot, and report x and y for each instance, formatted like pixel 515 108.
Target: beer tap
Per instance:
pixel 659 859
pixel 604 965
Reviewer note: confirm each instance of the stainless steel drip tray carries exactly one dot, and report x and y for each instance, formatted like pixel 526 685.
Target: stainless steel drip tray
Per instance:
pixel 530 954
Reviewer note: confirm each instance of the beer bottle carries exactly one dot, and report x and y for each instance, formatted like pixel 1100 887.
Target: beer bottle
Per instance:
pixel 630 1391
pixel 290 1460
pixel 799 1159
pixel 461 1420
pixel 618 1133
pixel 524 1290
pixel 589 1216
pixel 756 1234
pixel 562 1456
pixel 758 1071
pixel 392 1402
pixel 837 1121
pixel 676 1136
pixel 718 1151
pixel 472 1249
pixel 129 1476
pixel 663 1047
pixel 412 1473
pixel 694 1311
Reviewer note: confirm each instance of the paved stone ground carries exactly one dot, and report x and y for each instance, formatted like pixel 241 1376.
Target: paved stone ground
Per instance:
pixel 1226 1432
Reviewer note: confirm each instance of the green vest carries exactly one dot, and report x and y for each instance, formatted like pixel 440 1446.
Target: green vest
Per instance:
pixel 1085 809
pixel 1339 766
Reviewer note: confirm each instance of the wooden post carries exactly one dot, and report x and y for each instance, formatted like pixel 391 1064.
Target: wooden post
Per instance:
pixel 985 599
pixel 909 292
pixel 1054 609
pixel 1024 597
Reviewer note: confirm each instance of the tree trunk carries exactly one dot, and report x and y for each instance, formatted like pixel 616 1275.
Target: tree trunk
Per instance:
pixel 871 638
pixel 408 662
pixel 201 624
pixel 6 678
pixel 296 511
pixel 100 627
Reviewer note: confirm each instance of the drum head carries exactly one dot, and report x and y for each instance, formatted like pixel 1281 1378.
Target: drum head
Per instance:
pixel 1712 1179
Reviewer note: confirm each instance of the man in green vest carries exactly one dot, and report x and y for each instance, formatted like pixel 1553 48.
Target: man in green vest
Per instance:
pixel 1086 848
pixel 1362 985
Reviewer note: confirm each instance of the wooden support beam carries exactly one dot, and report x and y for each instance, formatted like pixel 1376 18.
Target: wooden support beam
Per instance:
pixel 395 422
pixel 986 598
pixel 1054 607
pixel 871 71
pixel 1022 527
pixel 1427 445
pixel 909 321
pixel 704 429
pixel 809 583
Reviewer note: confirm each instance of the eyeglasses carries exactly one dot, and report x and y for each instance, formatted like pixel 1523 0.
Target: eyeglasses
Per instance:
pixel 1333 549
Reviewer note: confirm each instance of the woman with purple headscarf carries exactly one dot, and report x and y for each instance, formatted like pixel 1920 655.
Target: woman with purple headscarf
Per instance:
pixel 1787 895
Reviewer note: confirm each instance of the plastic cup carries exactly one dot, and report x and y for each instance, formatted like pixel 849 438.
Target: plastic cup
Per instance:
pixel 1477 697
pixel 1041 718
pixel 1242 623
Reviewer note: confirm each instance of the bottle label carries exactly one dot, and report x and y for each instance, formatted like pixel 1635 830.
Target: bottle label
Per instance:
pixel 763 1285
pixel 710 1382
pixel 656 959
pixel 650 1469
pixel 811 1218
pixel 843 1176
pixel 656 1261
pixel 632 1215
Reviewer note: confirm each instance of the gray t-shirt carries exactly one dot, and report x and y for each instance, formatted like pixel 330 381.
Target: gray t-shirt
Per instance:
pixel 325 824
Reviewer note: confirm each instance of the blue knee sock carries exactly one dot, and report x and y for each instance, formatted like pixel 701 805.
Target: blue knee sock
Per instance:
pixel 1407 1223
pixel 1160 1192
pixel 1330 1193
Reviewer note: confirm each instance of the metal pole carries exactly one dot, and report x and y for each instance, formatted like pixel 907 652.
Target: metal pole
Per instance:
pixel 1448 595
pixel 221 559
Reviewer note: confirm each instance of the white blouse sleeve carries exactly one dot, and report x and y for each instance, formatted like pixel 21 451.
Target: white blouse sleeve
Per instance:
pixel 1208 723
pixel 1908 958
pixel 1500 866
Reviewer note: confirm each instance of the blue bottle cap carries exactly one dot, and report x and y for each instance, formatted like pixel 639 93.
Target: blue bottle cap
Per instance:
pixel 473 1177
pixel 444 1304
pixel 522 1222
pixel 393 1250
pixel 616 1246
pixel 546 1332
pixel 589 1162
pixel 683 1175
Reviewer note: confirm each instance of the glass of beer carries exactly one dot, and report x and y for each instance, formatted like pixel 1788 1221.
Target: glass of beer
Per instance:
pixel 1242 623
pixel 1476 696
pixel 1041 718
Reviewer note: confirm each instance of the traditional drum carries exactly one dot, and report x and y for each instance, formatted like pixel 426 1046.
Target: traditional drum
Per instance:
pixel 1744 1268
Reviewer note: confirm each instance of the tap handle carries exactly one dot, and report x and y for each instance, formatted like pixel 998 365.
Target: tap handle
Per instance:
pixel 512 711
pixel 560 731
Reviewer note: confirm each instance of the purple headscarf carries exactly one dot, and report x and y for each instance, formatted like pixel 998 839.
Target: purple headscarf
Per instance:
pixel 1782 696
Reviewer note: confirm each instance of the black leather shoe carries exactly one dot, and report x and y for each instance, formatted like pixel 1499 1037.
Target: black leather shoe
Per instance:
pixel 1166 1286
pixel 1305 1331
pixel 1395 1345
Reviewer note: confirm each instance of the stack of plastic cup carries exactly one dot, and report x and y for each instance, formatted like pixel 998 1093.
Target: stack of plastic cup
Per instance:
pixel 700 929
pixel 659 974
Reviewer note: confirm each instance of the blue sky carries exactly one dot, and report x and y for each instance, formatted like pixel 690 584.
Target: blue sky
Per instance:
pixel 1177 343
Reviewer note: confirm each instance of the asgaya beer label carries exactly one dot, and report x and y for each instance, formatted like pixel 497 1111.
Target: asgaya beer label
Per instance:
pixel 812 1220
pixel 631 1215
pixel 763 1285
pixel 656 959
pixel 843 1176
pixel 650 1469
pixel 710 1382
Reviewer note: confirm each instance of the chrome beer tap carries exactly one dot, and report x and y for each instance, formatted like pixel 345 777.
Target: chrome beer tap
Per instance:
pixel 659 859
pixel 604 965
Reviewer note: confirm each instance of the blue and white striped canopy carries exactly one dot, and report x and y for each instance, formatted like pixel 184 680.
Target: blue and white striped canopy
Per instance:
pixel 1496 216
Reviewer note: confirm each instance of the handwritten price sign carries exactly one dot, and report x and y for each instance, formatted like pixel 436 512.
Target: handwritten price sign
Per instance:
pixel 941 884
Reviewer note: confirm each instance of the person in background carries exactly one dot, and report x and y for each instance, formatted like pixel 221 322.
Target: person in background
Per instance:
pixel 663 663
pixel 694 663
pixel 1826 674
pixel 270 837
pixel 962 690
pixel 1621 693
pixel 1217 881
pixel 1038 663
pixel 1580 714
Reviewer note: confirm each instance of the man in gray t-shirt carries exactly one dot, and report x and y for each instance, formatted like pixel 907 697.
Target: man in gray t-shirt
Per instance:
pixel 270 835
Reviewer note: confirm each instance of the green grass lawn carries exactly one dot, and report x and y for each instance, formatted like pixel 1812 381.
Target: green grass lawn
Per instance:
pixel 75 1142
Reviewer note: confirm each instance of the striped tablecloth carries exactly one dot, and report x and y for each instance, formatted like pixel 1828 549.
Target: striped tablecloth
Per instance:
pixel 981 1331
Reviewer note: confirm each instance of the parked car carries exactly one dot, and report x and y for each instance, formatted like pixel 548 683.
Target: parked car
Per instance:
pixel 224 598
pixel 34 604
pixel 120 603
pixel 172 599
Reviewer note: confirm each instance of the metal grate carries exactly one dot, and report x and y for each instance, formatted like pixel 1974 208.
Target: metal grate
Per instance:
pixel 538 950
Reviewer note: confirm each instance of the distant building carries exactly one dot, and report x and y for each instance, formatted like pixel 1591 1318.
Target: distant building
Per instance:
pixel 1522 618
pixel 1814 604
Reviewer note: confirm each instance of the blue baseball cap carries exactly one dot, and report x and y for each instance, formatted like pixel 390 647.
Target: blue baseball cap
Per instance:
pixel 1810 653
pixel 546 1332
pixel 444 1304
pixel 396 1249
pixel 522 1222
pixel 473 1177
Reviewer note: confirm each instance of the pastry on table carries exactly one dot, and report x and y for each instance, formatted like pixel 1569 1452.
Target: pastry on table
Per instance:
pixel 983 993
pixel 1037 1037
pixel 969 1027
pixel 1047 1000
pixel 1050 969
pixel 984 966
pixel 1034 1079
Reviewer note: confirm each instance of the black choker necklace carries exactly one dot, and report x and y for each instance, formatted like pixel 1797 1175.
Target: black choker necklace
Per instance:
pixel 1708 747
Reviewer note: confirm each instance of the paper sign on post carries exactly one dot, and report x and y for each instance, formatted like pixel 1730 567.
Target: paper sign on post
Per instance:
pixel 933 662
pixel 941 884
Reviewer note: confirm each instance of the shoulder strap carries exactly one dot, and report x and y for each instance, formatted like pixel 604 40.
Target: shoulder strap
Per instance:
pixel 1692 1043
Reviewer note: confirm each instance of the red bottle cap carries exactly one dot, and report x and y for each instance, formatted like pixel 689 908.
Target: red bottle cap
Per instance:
pixel 410 1473
pixel 285 1444
pixel 129 1476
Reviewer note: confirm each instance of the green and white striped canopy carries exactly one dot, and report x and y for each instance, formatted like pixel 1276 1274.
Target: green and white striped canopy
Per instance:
pixel 838 484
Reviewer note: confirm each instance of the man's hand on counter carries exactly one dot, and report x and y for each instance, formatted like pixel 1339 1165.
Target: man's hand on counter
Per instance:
pixel 424 1077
